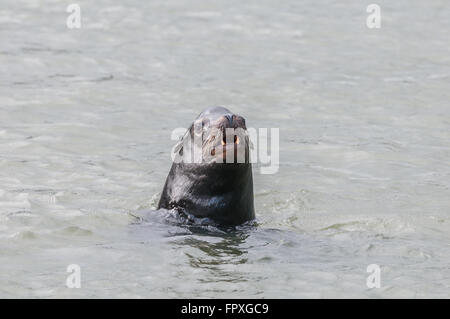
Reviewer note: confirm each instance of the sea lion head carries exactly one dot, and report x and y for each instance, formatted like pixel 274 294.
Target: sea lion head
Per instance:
pixel 217 135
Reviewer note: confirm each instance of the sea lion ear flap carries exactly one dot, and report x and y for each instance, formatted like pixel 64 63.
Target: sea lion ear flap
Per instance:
pixel 178 148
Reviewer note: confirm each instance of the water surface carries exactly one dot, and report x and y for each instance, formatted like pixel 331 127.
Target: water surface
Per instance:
pixel 364 117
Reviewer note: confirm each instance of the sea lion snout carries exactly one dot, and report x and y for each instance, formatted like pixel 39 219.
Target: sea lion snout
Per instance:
pixel 216 136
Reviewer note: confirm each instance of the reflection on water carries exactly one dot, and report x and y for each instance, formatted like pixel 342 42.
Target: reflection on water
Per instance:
pixel 207 246
pixel 212 253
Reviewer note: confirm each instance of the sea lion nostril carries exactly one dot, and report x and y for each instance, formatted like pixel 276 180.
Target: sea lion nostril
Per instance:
pixel 230 119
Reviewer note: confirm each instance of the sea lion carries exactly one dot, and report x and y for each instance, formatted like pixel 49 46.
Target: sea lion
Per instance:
pixel 217 183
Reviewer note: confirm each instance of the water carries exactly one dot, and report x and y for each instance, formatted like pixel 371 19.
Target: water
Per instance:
pixel 364 177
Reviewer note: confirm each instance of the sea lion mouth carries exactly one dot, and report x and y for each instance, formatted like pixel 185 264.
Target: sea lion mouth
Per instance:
pixel 235 140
